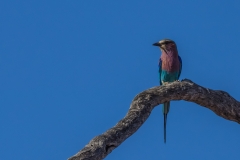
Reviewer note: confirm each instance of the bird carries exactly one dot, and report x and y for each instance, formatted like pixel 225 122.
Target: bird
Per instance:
pixel 170 67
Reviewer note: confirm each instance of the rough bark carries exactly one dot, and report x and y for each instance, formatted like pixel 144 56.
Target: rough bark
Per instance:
pixel 218 101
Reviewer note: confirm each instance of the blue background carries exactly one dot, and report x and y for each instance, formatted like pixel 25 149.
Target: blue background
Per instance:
pixel 70 69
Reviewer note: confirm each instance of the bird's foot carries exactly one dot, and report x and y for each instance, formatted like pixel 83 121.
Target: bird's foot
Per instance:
pixel 165 83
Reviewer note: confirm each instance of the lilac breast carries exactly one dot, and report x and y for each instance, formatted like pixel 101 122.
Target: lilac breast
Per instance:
pixel 170 61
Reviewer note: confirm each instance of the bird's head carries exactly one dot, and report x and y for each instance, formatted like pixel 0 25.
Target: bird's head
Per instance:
pixel 166 44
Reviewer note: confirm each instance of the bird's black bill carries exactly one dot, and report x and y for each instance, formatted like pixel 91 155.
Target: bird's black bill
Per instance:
pixel 156 44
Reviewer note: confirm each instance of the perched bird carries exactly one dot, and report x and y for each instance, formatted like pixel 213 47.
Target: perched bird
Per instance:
pixel 170 66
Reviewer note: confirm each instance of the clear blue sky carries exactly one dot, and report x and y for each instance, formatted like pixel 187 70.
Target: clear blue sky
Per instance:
pixel 70 69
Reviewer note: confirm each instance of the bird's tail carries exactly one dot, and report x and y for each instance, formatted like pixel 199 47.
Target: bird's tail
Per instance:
pixel 166 107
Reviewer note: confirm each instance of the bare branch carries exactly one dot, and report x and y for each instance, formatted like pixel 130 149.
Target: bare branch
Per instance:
pixel 219 102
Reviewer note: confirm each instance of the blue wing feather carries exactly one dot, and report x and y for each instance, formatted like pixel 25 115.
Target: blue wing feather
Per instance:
pixel 180 60
pixel 160 70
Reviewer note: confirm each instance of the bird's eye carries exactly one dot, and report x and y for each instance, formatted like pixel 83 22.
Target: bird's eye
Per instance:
pixel 167 42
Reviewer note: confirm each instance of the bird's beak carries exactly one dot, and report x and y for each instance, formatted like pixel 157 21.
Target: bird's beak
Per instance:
pixel 162 46
pixel 157 44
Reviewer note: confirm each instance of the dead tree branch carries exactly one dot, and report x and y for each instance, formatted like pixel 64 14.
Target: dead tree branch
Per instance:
pixel 142 105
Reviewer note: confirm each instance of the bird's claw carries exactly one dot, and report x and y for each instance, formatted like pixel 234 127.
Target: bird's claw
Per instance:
pixel 165 83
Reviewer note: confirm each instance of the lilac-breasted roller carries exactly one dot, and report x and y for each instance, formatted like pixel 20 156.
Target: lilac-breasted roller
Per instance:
pixel 170 66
